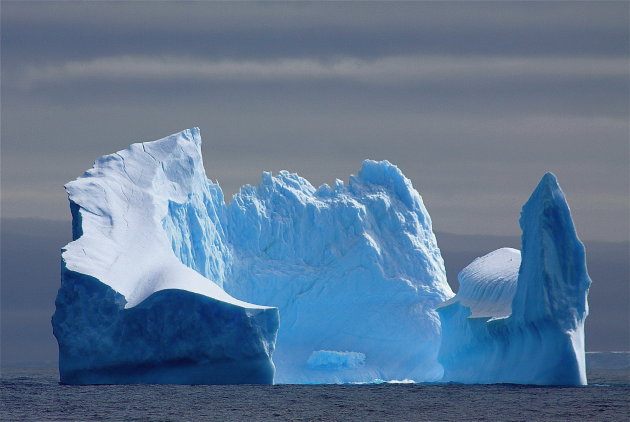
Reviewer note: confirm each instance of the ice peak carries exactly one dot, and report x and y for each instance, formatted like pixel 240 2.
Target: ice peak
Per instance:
pixel 548 188
pixel 286 183
pixel 550 179
pixel 387 175
pixel 553 258
pixel 192 134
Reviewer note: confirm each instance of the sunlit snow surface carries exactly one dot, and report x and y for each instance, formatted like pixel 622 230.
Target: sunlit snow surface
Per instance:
pixel 354 269
pixel 522 322
pixel 128 310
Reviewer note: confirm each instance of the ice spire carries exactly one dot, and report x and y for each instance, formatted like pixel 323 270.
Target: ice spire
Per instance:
pixel 542 340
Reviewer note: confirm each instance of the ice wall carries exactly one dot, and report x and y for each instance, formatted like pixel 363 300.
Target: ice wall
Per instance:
pixel 524 327
pixel 351 268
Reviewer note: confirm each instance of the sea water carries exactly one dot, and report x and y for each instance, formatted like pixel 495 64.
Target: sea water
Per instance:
pixel 34 394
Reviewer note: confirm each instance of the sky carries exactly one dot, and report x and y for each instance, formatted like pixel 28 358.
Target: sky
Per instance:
pixel 474 101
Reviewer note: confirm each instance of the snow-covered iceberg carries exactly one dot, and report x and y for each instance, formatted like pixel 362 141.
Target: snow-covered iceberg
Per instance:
pixel 129 310
pixel 522 321
pixel 150 280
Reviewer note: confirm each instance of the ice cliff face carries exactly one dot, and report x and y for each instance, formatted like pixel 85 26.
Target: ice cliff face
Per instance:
pixel 150 280
pixel 351 268
pixel 128 309
pixel 519 321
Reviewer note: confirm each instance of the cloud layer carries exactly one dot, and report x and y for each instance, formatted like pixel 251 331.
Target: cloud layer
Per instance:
pixel 474 101
pixel 384 70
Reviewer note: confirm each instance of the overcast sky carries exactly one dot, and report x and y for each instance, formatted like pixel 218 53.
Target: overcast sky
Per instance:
pixel 473 101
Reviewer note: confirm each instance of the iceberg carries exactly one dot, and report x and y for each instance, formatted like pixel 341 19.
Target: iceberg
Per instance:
pixel 519 318
pixel 164 282
pixel 352 267
pixel 160 280
pixel 128 309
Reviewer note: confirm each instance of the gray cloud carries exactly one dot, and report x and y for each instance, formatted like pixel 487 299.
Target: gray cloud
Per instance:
pixel 197 16
pixel 384 70
pixel 93 29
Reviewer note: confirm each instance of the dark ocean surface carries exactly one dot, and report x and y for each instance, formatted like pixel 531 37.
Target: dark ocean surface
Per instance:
pixel 34 394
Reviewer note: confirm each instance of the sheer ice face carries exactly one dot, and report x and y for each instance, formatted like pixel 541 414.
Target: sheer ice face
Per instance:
pixel 128 309
pixel 150 280
pixel 522 322
pixel 351 268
